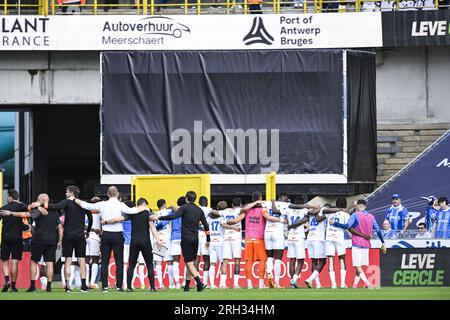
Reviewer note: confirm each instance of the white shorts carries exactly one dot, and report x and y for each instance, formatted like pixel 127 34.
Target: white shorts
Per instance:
pixel 126 254
pixel 274 241
pixel 333 247
pixel 74 259
pixel 92 247
pixel 216 253
pixel 175 248
pixel 296 249
pixel 316 249
pixel 360 256
pixel 232 249
pixel 202 250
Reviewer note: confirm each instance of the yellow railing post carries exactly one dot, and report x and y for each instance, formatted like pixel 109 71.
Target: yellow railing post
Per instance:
pixel 95 7
pixel 45 8
pixel 274 6
pixel 198 6
pixel 152 7
pixel 53 7
pixel 138 7
pixel 5 7
pixel 358 6
pixel 144 7
pixel 185 6
pixel 228 6
pixel 271 186
pixel 245 7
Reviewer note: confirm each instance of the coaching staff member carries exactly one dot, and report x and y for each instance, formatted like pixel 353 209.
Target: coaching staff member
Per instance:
pixel 190 215
pixel 140 241
pixel 74 237
pixel 12 245
pixel 112 235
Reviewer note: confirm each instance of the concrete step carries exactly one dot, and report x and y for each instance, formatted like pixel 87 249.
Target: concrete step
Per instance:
pixel 403 161
pixel 414 126
pixel 412 149
pixel 391 166
pixel 420 144
pixel 398 133
pixel 407 155
pixel 432 132
pixel 430 138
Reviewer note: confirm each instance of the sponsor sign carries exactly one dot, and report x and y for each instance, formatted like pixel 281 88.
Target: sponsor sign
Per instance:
pixel 242 32
pixel 416 28
pixel 415 267
pixel 372 272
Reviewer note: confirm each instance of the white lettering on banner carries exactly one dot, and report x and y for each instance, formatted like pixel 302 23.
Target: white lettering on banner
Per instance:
pixel 429 28
pixel 418 261
pixel 444 163
pixel 204 32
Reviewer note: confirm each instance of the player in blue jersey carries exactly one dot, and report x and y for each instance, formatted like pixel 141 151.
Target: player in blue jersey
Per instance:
pixel 441 228
pixel 397 214
pixel 431 211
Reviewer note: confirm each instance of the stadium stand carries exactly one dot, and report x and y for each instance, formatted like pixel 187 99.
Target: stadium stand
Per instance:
pixel 57 7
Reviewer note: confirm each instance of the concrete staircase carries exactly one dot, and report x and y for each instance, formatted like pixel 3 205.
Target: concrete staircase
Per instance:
pixel 398 144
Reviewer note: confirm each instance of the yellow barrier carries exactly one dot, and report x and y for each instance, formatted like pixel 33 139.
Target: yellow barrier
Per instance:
pixel 271 186
pixel 45 7
pixel 169 187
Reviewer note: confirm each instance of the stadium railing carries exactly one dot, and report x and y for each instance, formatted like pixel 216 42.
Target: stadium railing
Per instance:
pixel 95 7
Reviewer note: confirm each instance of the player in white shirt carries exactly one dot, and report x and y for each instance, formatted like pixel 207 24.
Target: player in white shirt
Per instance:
pixel 296 218
pixel 232 246
pixel 164 231
pixel 274 239
pixel 335 242
pixel 203 250
pixel 216 223
pixel 93 248
pixel 316 245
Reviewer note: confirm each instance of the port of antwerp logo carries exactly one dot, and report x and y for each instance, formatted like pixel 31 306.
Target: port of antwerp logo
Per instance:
pixel 258 33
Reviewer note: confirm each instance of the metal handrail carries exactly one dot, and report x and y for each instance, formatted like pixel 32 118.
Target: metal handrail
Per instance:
pixel 46 7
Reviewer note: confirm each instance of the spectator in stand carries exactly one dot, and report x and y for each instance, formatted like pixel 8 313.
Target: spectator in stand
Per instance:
pixel 397 215
pixel 431 212
pixel 255 6
pixel 423 232
pixel 441 228
pixel 387 232
pixel 108 2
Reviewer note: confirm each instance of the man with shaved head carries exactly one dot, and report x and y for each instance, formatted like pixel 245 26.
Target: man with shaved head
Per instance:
pixel 44 238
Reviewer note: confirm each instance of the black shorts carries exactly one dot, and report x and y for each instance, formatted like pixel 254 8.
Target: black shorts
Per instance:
pixel 189 248
pixel 70 243
pixel 13 248
pixel 46 250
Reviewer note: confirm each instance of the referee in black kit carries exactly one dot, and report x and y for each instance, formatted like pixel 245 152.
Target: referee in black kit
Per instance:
pixel 191 215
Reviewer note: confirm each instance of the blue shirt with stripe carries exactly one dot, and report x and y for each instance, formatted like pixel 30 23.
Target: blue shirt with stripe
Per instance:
pixel 442 224
pixel 127 231
pixel 430 216
pixel 397 217
pixel 176 229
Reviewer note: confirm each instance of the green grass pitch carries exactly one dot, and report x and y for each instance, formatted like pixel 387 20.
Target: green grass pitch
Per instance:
pixel 393 293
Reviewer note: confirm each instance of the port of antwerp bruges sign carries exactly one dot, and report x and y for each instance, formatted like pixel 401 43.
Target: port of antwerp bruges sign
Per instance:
pixel 191 32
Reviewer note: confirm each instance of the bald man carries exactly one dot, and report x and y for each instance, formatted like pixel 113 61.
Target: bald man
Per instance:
pixel 45 240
